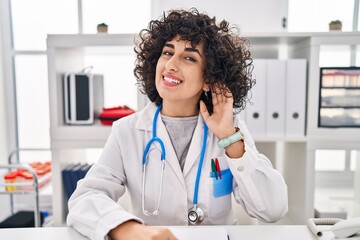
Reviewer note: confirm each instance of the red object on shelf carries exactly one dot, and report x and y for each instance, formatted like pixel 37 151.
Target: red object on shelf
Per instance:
pixel 109 115
pixel 11 176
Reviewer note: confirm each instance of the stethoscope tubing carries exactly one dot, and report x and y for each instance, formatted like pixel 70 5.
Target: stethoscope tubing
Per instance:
pixel 154 138
pixel 163 154
pixel 198 174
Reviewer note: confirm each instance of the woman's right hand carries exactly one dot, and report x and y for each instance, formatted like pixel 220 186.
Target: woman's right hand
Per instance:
pixel 134 230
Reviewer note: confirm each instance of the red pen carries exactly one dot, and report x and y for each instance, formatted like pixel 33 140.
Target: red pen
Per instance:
pixel 218 167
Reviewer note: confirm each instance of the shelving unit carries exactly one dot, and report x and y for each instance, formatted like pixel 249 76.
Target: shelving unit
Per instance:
pixel 324 138
pixel 314 132
pixel 293 156
pixel 66 54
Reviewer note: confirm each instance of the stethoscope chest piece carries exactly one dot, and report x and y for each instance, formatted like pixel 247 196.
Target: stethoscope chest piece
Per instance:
pixel 195 215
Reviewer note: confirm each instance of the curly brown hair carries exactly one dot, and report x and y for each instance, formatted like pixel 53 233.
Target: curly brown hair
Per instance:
pixel 228 62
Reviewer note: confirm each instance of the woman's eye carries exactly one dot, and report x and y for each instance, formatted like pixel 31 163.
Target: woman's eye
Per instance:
pixel 167 53
pixel 191 59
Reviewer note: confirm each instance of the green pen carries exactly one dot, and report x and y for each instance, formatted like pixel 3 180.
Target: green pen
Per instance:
pixel 213 168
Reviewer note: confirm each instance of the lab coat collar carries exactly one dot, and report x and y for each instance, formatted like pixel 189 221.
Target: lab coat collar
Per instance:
pixel 146 116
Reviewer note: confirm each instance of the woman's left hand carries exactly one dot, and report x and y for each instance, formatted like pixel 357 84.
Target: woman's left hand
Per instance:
pixel 220 122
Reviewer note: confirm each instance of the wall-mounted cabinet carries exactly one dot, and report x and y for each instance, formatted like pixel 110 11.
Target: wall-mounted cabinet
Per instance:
pixel 291 153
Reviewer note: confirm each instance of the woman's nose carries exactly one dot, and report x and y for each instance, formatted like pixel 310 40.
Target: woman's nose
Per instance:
pixel 172 64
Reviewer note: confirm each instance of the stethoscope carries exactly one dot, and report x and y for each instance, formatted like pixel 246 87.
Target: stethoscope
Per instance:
pixel 195 214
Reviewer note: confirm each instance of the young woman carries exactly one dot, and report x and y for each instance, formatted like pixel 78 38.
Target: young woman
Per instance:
pixel 184 155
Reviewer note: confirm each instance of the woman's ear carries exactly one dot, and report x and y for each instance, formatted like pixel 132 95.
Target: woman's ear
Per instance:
pixel 206 88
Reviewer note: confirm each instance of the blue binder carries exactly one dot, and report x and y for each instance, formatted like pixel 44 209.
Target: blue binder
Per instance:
pixel 67 179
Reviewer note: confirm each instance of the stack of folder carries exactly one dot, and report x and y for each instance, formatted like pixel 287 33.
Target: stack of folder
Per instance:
pixel 71 174
pixel 278 99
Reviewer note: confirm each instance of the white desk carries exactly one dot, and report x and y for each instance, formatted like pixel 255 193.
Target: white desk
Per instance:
pixel 248 232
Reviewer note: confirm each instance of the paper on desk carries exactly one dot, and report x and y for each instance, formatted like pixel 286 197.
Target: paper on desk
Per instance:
pixel 195 233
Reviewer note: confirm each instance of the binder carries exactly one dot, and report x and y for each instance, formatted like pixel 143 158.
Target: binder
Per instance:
pixel 75 176
pixel 255 110
pixel 67 180
pixel 71 174
pixel 275 100
pixel 295 98
pixel 83 170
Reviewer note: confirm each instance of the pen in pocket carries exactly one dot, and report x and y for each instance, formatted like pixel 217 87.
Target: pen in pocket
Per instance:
pixel 217 165
pixel 213 168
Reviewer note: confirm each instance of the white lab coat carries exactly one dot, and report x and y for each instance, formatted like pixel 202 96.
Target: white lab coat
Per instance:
pixel 93 207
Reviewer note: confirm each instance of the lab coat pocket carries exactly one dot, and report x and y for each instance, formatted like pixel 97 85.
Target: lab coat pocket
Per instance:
pixel 220 194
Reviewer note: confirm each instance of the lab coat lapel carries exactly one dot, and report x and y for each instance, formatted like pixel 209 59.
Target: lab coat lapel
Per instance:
pixel 145 123
pixel 145 119
pixel 195 146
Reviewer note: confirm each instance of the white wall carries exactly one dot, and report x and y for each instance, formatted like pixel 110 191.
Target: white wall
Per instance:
pixel 4 199
pixel 4 150
pixel 7 105
pixel 3 129
pixel 250 16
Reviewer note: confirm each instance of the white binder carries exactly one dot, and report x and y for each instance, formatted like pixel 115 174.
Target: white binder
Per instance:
pixel 295 98
pixel 255 111
pixel 275 101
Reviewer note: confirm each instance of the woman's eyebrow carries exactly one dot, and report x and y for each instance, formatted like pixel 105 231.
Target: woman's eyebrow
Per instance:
pixel 193 50
pixel 186 49
pixel 169 45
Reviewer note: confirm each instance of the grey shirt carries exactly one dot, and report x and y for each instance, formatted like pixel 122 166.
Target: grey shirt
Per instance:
pixel 180 131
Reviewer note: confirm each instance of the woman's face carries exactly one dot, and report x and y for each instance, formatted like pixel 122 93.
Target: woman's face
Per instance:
pixel 180 72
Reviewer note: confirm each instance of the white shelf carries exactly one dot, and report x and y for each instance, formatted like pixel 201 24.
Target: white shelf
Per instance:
pixel 87 40
pixel 290 38
pixel 280 139
pixel 293 38
pixel 93 136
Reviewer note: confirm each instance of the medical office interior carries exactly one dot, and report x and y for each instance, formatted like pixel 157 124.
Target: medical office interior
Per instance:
pixel 304 112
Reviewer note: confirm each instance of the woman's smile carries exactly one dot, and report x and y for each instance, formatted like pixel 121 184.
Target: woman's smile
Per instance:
pixel 171 81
